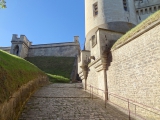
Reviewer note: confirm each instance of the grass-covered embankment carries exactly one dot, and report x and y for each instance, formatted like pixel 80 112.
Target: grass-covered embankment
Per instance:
pixel 58 69
pixel 58 79
pixel 15 72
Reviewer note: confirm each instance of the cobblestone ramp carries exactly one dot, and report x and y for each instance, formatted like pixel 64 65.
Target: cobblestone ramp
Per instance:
pixel 67 102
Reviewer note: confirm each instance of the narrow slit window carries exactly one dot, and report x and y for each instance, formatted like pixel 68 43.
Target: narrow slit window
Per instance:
pixel 125 5
pixel 150 10
pixel 95 9
pixel 141 12
pixel 146 11
pixel 137 12
pixel 94 40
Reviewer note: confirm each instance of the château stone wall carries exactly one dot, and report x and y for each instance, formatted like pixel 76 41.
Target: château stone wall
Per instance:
pixel 59 49
pixel 134 72
pixel 7 49
pixel 22 47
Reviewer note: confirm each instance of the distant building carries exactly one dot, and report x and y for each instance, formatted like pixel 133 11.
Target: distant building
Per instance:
pixel 23 47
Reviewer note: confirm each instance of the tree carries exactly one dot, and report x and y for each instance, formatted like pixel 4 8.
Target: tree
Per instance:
pixel 2 4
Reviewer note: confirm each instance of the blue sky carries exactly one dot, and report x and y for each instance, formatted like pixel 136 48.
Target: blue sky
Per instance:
pixel 42 21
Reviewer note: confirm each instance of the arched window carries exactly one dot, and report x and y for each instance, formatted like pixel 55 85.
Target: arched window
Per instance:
pixel 16 50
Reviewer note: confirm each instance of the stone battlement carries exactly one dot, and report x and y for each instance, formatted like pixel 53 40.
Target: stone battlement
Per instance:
pixel 22 38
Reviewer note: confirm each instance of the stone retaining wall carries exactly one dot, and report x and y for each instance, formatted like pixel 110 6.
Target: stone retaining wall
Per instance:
pixel 134 72
pixel 11 109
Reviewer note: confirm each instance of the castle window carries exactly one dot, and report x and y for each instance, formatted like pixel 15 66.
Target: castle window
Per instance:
pixel 139 17
pixel 94 40
pixel 141 12
pixel 150 10
pixel 95 9
pixel 146 11
pixel 137 12
pixel 155 9
pixel 125 5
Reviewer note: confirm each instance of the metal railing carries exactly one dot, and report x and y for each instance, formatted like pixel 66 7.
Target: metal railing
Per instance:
pixel 129 102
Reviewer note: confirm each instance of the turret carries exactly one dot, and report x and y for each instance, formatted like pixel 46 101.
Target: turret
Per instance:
pixel 114 15
pixel 20 46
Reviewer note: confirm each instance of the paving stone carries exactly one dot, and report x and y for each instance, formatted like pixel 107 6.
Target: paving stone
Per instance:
pixel 66 102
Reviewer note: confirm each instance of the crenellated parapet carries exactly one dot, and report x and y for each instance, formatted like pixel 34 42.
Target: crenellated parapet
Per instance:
pixel 22 38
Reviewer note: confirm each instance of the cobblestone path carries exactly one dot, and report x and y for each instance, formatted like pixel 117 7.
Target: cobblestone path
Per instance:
pixel 67 102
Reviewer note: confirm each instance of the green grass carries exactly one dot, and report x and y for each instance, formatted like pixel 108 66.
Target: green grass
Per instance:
pixel 14 72
pixel 57 68
pixel 58 79
pixel 154 17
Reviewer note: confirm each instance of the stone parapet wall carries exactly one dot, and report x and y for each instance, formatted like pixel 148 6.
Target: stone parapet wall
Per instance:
pixel 54 45
pixel 7 49
pixel 135 71
pixel 65 51
pixel 22 47
pixel 10 110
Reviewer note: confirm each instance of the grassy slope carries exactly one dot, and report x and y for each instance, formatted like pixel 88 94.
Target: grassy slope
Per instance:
pixel 14 72
pixel 154 17
pixel 57 68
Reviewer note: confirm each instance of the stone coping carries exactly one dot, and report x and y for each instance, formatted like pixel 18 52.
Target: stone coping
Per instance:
pixel 5 48
pixel 54 45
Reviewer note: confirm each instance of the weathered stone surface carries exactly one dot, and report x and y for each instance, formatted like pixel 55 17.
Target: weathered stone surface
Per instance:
pixel 63 49
pixel 134 71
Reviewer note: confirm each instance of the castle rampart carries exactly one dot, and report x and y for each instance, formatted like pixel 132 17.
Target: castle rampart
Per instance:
pixel 22 47
pixel 7 49
pixel 56 49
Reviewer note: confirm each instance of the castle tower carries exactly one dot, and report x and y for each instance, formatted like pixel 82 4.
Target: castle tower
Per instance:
pixel 114 15
pixel 20 46
pixel 145 8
